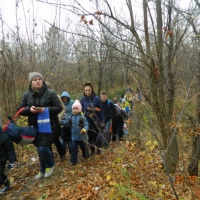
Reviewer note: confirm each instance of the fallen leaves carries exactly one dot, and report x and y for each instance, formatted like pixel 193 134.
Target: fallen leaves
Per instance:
pixel 108 178
pixel 121 172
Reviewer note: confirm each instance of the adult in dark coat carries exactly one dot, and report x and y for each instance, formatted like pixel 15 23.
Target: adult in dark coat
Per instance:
pixel 93 111
pixel 7 152
pixel 36 100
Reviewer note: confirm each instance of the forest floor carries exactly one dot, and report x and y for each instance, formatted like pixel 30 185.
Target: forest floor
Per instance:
pixel 121 172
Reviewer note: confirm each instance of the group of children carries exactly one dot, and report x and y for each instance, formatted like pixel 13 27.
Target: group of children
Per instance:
pixel 80 131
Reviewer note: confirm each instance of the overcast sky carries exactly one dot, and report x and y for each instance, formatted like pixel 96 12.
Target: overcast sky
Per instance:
pixel 27 13
pixel 32 12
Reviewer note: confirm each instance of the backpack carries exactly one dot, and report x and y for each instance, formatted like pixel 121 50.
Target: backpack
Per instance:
pixel 118 110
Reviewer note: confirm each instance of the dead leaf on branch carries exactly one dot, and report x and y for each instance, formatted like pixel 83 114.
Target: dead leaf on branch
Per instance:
pixel 91 22
pixel 82 18
pixel 98 12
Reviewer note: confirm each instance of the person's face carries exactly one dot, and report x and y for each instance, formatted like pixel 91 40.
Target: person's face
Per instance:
pixel 103 98
pixel 64 99
pixel 37 83
pixel 75 111
pixel 115 99
pixel 88 91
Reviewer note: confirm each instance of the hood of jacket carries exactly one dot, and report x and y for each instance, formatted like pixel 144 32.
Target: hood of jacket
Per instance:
pixel 65 94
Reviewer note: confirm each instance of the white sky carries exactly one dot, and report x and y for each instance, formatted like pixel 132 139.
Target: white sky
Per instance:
pixel 25 15
pixel 30 12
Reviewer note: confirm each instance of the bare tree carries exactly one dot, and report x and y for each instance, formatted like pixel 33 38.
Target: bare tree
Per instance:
pixel 193 166
pixel 157 43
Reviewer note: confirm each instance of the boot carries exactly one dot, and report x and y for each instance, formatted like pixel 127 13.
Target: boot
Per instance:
pixel 6 183
pixel 62 158
pixel 98 151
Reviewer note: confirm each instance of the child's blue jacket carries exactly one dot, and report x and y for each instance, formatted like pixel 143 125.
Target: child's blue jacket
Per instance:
pixel 74 122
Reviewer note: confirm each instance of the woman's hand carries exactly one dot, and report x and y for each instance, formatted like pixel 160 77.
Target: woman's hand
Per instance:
pixel 34 109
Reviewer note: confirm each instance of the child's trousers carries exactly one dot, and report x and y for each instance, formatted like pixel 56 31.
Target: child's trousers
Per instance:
pixel 74 150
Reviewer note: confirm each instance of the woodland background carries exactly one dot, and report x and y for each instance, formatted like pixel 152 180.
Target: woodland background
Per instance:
pixel 158 50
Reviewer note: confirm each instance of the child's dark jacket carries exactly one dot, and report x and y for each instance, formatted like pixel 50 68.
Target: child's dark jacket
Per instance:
pixel 7 151
pixel 109 110
pixel 119 117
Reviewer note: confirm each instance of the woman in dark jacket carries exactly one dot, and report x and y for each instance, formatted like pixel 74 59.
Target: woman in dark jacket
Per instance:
pixel 7 152
pixel 36 100
pixel 93 111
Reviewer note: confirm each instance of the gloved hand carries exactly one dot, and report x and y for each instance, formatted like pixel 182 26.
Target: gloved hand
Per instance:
pixel 83 131
pixel 62 121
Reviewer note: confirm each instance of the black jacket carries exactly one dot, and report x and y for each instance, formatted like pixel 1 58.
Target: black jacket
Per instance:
pixel 45 98
pixel 7 151
pixel 119 117
pixel 109 110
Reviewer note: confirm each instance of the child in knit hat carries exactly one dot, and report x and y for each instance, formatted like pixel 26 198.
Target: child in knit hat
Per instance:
pixel 79 127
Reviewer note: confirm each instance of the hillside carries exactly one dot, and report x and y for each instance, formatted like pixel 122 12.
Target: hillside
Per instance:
pixel 121 172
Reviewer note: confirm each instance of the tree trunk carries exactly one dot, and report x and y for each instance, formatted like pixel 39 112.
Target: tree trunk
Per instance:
pixel 169 140
pixel 193 166
pixel 172 154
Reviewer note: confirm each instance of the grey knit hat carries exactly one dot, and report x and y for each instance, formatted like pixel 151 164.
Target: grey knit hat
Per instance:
pixel 32 75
